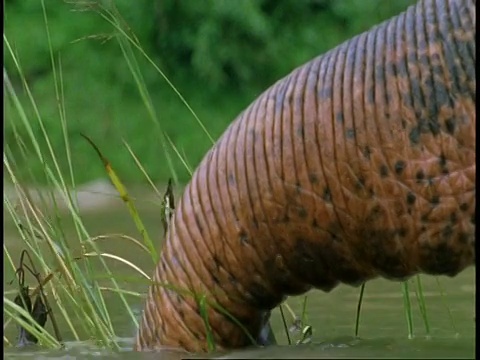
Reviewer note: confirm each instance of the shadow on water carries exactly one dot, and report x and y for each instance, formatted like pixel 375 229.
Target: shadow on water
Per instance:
pixel 383 330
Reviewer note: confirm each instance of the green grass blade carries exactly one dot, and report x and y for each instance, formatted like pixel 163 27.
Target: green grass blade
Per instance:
pixel 449 312
pixel 202 305
pixel 408 309
pixel 421 303
pixel 285 326
pixel 359 306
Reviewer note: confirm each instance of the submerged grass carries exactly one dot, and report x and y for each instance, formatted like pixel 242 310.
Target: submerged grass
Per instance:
pixel 76 279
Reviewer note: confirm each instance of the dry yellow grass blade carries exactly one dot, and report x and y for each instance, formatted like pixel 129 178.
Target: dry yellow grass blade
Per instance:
pixel 122 191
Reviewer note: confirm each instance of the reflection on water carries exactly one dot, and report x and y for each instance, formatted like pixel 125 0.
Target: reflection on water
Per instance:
pixel 346 347
pixel 383 329
pixel 365 348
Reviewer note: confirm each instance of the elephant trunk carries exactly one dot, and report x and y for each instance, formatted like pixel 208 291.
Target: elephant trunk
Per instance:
pixel 360 163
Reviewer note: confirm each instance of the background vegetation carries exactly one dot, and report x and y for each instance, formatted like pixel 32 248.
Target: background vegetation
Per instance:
pixel 219 54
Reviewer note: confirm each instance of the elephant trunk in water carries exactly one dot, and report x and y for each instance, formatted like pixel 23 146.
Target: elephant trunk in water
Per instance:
pixel 360 163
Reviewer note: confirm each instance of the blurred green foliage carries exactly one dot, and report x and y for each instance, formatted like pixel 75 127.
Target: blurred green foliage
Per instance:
pixel 220 54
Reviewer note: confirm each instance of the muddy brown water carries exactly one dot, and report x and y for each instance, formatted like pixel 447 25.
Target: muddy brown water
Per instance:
pixel 383 326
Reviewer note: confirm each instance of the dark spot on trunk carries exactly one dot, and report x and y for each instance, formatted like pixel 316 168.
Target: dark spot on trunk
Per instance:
pixel 414 135
pixel 434 126
pixel 313 178
pixel 231 179
pixel 367 152
pixel 181 313
pixel 402 232
pixel 442 160
pixel 327 195
pixel 371 192
pixel 301 131
pixel 350 133
pixel 424 218
pixel 178 298
pixel 447 232
pixel 463 238
pixel 411 198
pixel 453 217
pixel 253 134
pixel 464 206
pixel 315 223
pixel 383 171
pixel 435 200
pixel 298 188
pixel 302 212
pixel 404 124
pixel 399 167
pixel 360 184
pixel 232 279
pixel 450 125
pixel 374 214
pixel 217 262
pixel 339 116
pixel 420 175
pixel 243 237
pixel 215 279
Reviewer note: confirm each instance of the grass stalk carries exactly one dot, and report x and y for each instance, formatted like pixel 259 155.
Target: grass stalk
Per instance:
pixel 359 306
pixel 449 312
pixel 202 305
pixel 285 326
pixel 407 309
pixel 421 303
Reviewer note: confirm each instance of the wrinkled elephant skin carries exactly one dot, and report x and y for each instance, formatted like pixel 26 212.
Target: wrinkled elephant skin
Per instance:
pixel 359 164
